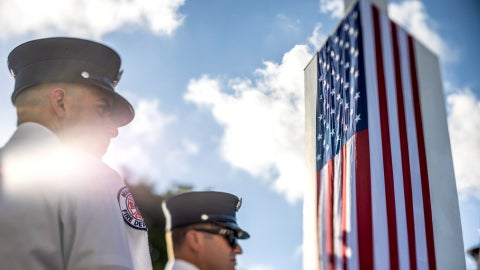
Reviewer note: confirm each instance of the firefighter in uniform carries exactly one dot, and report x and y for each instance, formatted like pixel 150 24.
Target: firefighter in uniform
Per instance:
pixel 202 231
pixel 61 207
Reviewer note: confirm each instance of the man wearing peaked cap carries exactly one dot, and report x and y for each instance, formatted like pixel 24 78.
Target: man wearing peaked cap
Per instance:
pixel 71 60
pixel 202 231
pixel 61 206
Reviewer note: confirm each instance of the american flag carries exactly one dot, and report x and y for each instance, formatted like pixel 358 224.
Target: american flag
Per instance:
pixel 373 196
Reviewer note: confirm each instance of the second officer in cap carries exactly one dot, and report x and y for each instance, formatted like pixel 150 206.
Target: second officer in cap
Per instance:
pixel 61 207
pixel 202 231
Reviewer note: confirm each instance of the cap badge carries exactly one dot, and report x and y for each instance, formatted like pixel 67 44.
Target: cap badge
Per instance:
pixel 117 79
pixel 85 75
pixel 239 203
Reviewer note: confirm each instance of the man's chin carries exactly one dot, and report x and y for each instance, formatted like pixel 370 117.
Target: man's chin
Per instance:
pixel 100 153
pixel 100 150
pixel 97 152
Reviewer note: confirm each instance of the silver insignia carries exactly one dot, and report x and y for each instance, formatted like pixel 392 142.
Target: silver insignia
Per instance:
pixel 239 203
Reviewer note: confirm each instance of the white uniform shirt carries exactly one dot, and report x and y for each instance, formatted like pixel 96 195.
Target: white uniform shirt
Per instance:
pixel 61 209
pixel 180 265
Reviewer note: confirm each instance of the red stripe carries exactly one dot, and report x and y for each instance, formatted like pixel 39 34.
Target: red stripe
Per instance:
pixel 363 203
pixel 317 208
pixel 343 200
pixel 427 210
pixel 386 147
pixel 402 127
pixel 329 215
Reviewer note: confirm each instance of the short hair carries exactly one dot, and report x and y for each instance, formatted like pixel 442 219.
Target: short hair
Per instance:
pixel 178 236
pixel 31 96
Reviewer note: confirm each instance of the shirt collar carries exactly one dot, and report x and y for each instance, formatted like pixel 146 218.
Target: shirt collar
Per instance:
pixel 180 264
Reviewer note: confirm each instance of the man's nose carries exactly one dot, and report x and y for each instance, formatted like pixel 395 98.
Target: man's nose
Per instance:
pixel 238 249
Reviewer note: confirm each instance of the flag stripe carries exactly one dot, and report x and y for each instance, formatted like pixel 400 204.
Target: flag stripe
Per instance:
pixel 379 218
pixel 322 220
pixel 318 212
pixel 364 195
pixel 345 164
pixel 337 209
pixel 407 187
pixel 362 169
pixel 385 140
pixel 330 232
pixel 422 158
pixel 351 207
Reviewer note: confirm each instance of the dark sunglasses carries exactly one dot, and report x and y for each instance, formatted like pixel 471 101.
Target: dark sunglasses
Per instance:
pixel 228 234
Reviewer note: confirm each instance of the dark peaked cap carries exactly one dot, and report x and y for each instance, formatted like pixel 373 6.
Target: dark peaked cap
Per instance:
pixel 203 207
pixel 69 60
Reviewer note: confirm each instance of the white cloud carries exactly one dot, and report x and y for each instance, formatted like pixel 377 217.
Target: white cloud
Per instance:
pixel 263 120
pixel 190 147
pixel 317 39
pixel 464 124
pixel 334 7
pixel 411 14
pixel 146 148
pixel 87 18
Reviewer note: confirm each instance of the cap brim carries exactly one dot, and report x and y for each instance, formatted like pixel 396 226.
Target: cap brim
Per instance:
pixel 122 111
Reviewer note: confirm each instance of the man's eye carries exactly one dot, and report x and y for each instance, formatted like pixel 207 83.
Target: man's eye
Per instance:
pixel 103 110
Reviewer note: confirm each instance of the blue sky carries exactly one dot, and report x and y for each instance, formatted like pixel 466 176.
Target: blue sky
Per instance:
pixel 218 92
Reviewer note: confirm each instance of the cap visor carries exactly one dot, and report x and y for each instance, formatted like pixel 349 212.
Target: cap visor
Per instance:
pixel 122 112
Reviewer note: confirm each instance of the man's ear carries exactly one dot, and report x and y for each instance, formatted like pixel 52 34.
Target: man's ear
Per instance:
pixel 57 101
pixel 192 239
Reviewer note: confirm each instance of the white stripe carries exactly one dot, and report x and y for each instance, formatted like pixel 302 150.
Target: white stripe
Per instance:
pixel 420 240
pixel 352 236
pixel 323 219
pixel 380 235
pixel 389 70
pixel 337 211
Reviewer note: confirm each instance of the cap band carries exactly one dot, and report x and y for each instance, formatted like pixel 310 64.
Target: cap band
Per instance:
pixel 60 71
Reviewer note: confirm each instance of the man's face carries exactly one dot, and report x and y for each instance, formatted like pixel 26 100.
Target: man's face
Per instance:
pixel 87 124
pixel 216 252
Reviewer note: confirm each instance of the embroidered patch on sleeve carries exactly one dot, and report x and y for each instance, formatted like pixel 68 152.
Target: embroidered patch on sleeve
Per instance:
pixel 130 212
